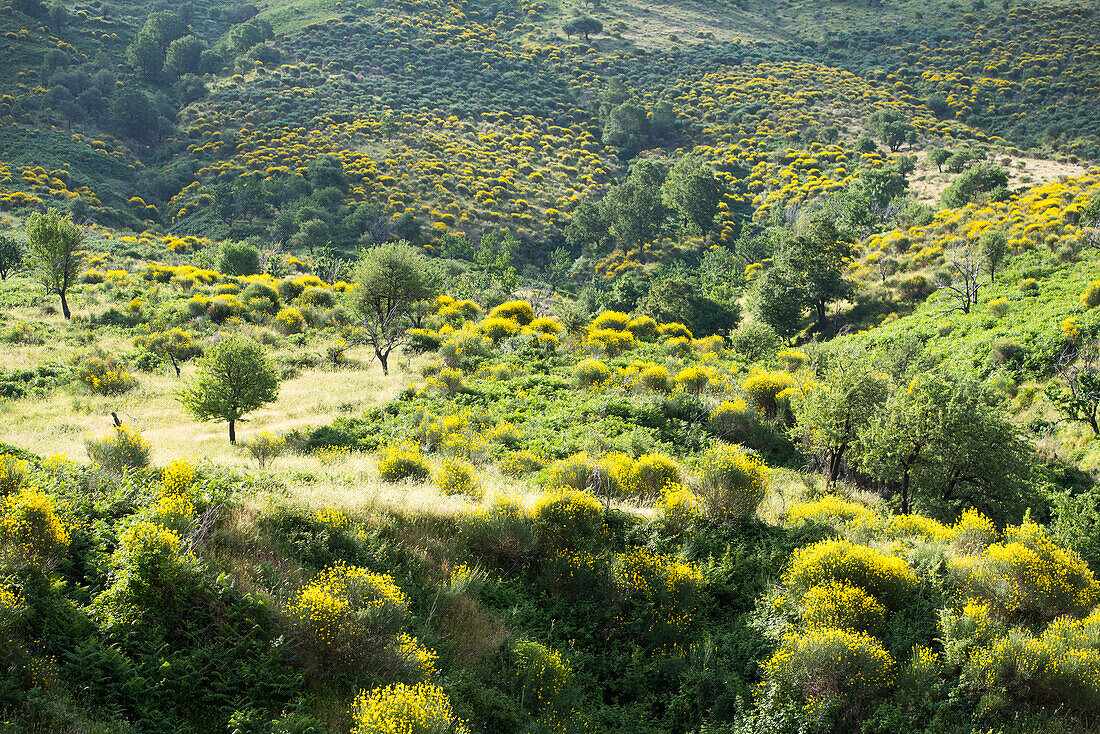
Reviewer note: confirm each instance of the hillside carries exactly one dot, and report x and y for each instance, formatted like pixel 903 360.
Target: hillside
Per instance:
pixel 640 366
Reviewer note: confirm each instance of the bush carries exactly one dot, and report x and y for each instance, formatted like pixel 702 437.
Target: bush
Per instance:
pixel 518 311
pixel 314 297
pixel 1091 297
pixel 1030 577
pixel 520 463
pixel 12 473
pixel 674 331
pixel 732 420
pixel 348 617
pixel 455 476
pixel 124 448
pixel 1000 307
pixel 402 709
pixel 31 533
pixel 465 349
pixel 840 606
pixel 569 518
pixel 693 380
pixel 731 484
pixel 289 321
pixel 755 340
pixel 616 321
pixel 656 378
pixel 610 342
pixel 237 258
pixel 821 665
pixel 643 328
pixel 265 448
pixel 651 475
pixel 764 391
pixel 542 675
pixel 591 373
pixel 972 532
pixel 105 376
pixel 887 578
pixel 501 534
pixel 497 328
pixel 403 462
pixel 151 578
pixel 833 511
pixel 655 594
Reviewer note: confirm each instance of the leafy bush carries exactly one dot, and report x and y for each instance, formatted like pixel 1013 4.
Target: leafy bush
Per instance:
pixel 732 420
pixel 520 463
pixel 501 533
pixel 568 518
pixel 121 449
pixel 542 675
pixel 265 448
pixel 651 475
pixel 403 462
pixel 105 376
pixel 347 617
pixel 402 709
pixel 764 391
pixel 289 321
pixel 31 533
pixel 151 579
pixel 655 594
pixel 731 483
pixel 238 258
pixel 13 471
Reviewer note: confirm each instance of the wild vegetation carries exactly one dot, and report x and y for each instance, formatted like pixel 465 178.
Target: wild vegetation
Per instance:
pixel 421 366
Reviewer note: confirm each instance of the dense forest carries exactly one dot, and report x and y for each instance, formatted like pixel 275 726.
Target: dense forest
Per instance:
pixel 540 366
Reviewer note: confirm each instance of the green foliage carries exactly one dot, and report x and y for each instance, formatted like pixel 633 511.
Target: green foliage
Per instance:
pixel 121 449
pixel 731 483
pixel 233 378
pixel 54 247
pixel 238 258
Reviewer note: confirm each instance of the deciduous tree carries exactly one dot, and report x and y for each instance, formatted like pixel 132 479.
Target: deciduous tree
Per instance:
pixel 233 378
pixel 54 243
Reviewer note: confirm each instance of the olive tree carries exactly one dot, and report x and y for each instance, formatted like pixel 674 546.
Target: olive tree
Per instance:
pixel 233 378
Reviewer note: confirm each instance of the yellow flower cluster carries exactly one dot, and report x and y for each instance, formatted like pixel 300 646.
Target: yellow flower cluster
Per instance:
pixel 402 709
pixel 178 477
pixel 12 473
pixel 344 604
pixel 835 512
pixel 731 483
pixel 403 462
pixel 31 533
pixel 332 518
pixel 887 578
pixel 455 476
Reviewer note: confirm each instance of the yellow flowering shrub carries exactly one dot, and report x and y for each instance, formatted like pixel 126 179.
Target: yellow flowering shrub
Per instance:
pixel 173 511
pixel 610 341
pixel 642 327
pixel 764 391
pixel 972 532
pixel 105 376
pixel 731 484
pixel 455 476
pixel 31 533
pixel 650 475
pixel 402 709
pixel 151 577
pixel 887 578
pixel 679 506
pixel 518 311
pixel 121 449
pixel 178 476
pixel 655 378
pixel 674 331
pixel 519 463
pixel 793 360
pixel 501 533
pixel 290 321
pixel 732 419
pixel 612 320
pixel 1030 577
pixel 902 526
pixel 448 381
pixel 347 615
pixel 12 473
pixel 265 447
pixel 839 605
pixel 656 592
pixel 403 462
pixel 693 379
pixel 1091 297
pixel 568 518
pixel 819 665
pixel 835 512
pixel 542 675
pixel 497 328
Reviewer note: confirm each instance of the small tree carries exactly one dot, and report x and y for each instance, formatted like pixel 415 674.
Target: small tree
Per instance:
pixel 391 279
pixel 584 25
pixel 11 256
pixel 1078 395
pixel 692 190
pixel 961 279
pixel 54 243
pixel 233 378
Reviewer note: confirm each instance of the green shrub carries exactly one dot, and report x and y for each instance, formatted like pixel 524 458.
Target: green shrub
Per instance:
pixel 121 449
pixel 569 518
pixel 651 475
pixel 542 675
pixel 520 463
pixel 730 483
pixel 265 448
pixel 105 376
pixel 238 258
pixel 502 533
pixel 13 471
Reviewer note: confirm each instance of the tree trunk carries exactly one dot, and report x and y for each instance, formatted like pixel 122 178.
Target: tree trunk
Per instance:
pixel 821 315
pixel 834 466
pixel 384 360
pixel 232 431
pixel 65 306
pixel 905 493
